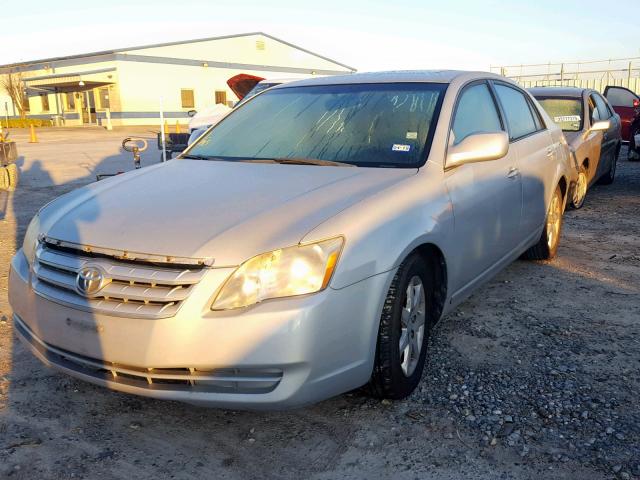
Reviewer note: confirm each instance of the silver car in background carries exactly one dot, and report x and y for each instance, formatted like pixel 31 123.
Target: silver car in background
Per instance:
pixel 303 247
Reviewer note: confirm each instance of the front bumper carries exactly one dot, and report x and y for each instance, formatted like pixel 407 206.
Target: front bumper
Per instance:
pixel 282 353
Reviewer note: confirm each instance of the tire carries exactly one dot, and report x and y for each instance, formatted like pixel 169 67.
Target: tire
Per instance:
pixel 634 154
pixel 547 246
pixel 610 176
pixel 12 172
pixel 395 374
pixel 579 191
pixel 4 178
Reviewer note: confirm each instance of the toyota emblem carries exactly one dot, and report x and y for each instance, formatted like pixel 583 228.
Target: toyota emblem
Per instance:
pixel 89 281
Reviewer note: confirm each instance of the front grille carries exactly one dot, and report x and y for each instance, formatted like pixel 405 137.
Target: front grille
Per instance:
pixel 130 288
pixel 220 380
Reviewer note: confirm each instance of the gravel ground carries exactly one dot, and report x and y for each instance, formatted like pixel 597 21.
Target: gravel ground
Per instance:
pixel 536 376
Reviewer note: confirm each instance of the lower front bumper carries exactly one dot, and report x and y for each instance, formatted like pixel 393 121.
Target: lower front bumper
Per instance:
pixel 277 355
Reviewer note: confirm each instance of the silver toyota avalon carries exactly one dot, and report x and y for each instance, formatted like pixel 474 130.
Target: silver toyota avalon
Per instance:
pixel 304 246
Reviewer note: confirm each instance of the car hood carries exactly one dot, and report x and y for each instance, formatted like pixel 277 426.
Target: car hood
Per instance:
pixel 225 212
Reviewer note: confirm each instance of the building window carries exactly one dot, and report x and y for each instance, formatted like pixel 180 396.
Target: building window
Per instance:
pixel 104 98
pixel 187 98
pixel 260 45
pixel 221 97
pixel 45 102
pixel 71 101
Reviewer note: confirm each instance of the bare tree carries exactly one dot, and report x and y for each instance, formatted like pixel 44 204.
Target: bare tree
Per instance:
pixel 13 84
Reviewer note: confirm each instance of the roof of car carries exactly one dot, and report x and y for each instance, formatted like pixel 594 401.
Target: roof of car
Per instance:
pixel 558 91
pixel 427 76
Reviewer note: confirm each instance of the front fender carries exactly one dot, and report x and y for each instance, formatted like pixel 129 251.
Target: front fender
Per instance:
pixel 383 229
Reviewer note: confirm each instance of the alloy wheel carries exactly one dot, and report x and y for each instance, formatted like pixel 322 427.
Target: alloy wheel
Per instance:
pixel 412 323
pixel 554 217
pixel 580 190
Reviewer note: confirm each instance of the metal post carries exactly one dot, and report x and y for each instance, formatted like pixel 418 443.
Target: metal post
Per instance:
pixel 86 96
pixel 108 115
pixel 57 97
pixel 164 144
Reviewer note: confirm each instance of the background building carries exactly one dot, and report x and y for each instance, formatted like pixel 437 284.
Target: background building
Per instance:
pixel 131 82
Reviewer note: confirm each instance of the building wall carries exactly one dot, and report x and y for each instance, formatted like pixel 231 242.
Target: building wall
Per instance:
pixel 141 77
pixel 142 85
pixel 36 109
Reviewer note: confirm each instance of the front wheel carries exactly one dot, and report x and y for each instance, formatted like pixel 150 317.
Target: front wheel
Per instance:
pixel 580 189
pixel 405 325
pixel 547 246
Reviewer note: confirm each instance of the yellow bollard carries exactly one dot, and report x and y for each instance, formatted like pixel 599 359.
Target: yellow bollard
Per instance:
pixel 166 128
pixel 178 127
pixel 33 138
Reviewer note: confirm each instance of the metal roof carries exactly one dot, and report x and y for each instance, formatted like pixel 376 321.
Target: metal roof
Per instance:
pixel 575 92
pixel 167 44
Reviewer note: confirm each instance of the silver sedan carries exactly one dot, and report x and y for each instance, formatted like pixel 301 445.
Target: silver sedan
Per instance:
pixel 304 246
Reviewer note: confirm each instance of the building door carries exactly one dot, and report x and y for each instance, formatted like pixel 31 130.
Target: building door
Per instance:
pixel 88 103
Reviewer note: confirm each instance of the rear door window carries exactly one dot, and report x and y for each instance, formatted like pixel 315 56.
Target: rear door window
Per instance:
pixel 620 97
pixel 603 110
pixel 476 113
pixel 594 110
pixel 516 108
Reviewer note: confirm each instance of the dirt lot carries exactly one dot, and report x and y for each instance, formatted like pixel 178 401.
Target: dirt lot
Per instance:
pixel 536 376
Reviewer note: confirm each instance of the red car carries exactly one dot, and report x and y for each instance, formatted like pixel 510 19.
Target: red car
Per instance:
pixel 626 104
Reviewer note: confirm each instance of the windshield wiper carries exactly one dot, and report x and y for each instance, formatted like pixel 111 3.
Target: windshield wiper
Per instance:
pixel 196 157
pixel 191 156
pixel 302 161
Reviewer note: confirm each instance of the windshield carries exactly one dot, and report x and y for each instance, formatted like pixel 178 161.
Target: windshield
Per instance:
pixel 373 125
pixel 566 112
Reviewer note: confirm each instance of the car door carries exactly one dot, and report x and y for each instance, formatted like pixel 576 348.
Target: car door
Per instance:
pixel 486 196
pixel 536 154
pixel 599 163
pixel 611 136
pixel 626 104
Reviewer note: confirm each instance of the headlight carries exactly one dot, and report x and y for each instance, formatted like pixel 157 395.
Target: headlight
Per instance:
pixel 282 273
pixel 31 239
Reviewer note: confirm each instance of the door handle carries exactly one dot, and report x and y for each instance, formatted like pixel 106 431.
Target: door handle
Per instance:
pixel 513 172
pixel 550 152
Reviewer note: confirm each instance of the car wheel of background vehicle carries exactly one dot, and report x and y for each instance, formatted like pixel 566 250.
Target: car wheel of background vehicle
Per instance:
pixel 579 192
pixel 633 154
pixel 12 172
pixel 547 246
pixel 405 324
pixel 4 178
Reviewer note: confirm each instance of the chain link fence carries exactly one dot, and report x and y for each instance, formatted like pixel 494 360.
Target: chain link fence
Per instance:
pixel 623 72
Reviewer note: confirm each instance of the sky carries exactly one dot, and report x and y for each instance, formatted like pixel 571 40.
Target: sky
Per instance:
pixel 366 34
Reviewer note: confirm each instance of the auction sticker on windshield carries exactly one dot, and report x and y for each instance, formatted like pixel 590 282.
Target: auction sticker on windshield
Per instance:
pixel 567 118
pixel 397 147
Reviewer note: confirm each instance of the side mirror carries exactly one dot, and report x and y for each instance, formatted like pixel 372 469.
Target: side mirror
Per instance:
pixel 600 126
pixel 191 113
pixel 478 147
